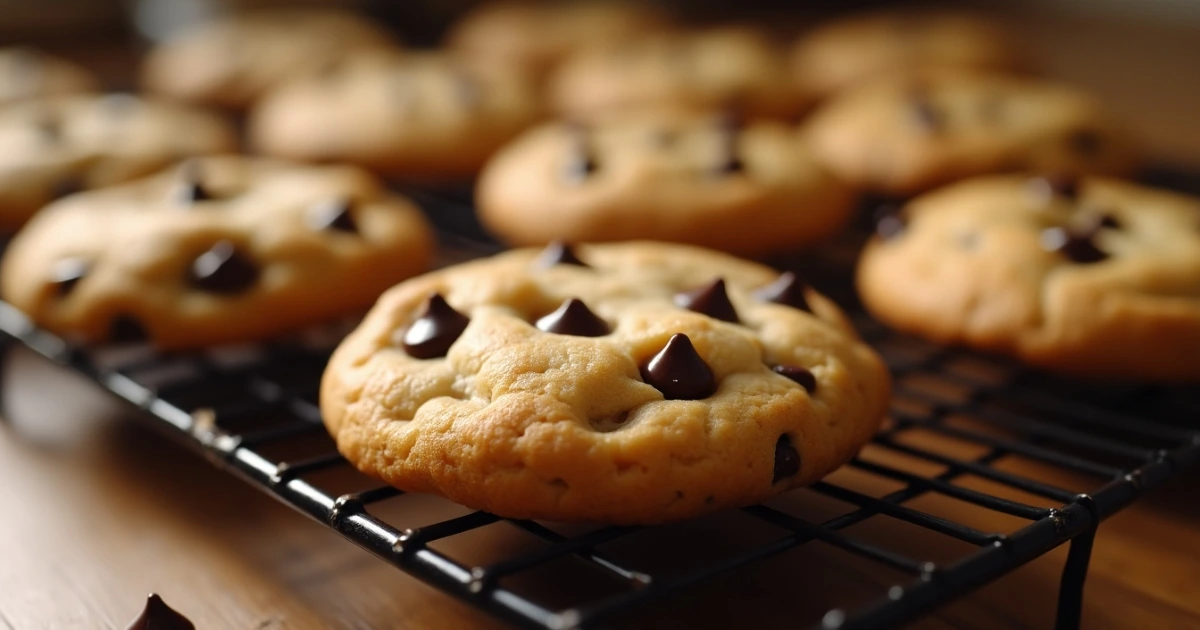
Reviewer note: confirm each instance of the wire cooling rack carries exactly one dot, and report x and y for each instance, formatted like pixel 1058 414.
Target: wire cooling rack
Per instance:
pixel 1027 463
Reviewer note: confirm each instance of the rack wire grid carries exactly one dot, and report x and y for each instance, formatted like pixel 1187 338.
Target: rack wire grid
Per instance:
pixel 957 420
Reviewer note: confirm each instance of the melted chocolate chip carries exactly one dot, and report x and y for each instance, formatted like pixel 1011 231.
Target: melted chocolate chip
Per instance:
pixel 333 214
pixel 67 273
pixel 1077 247
pixel 157 615
pixel 1047 187
pixel 788 290
pixel 573 317
pixel 1086 142
pixel 558 253
pixel 679 372
pixel 924 113
pixel 798 374
pixel 710 299
pixel 66 187
pixel 787 460
pixel 222 269
pixel 436 328
pixel 125 328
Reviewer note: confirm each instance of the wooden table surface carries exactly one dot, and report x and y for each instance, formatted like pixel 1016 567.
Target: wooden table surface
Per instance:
pixel 99 510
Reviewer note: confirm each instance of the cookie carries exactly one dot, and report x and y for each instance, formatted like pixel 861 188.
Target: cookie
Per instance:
pixel 846 51
pixel 532 37
pixel 1094 277
pixel 903 135
pixel 625 383
pixel 415 117
pixel 218 250
pixel 705 180
pixel 734 68
pixel 60 145
pixel 232 61
pixel 26 73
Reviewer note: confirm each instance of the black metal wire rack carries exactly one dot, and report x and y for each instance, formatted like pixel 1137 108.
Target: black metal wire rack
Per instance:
pixel 1049 459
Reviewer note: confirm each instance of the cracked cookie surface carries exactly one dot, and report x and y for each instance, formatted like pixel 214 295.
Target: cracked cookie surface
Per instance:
pixel 624 383
pixel 1095 276
pixel 219 250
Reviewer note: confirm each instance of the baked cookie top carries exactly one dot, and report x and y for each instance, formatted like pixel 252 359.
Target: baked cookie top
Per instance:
pixel 534 36
pixel 421 117
pixel 903 135
pixel 737 68
pixel 222 249
pixel 59 145
pixel 845 51
pixel 26 73
pixel 232 61
pixel 706 180
pixel 1096 276
pixel 625 383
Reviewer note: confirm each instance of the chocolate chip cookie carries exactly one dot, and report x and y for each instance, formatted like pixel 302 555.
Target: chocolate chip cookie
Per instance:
pixel 232 61
pixel 705 180
pixel 222 249
pixel 414 117
pixel 532 37
pixel 60 145
pixel 1095 276
pixel 734 68
pixel 902 135
pixel 845 51
pixel 624 383
pixel 26 73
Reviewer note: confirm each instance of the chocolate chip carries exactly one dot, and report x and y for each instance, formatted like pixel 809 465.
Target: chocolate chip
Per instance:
pixel 890 226
pixel 1047 187
pixel 1075 246
pixel 189 189
pixel 1086 142
pixel 1096 221
pixel 802 376
pixel 436 328
pixel 125 328
pixel 157 615
pixel 573 317
pixel 788 290
pixel 333 214
pixel 67 273
pixel 787 460
pixel 730 162
pixel 67 186
pixel 924 113
pixel 580 163
pixel 710 299
pixel 679 372
pixel 558 253
pixel 222 269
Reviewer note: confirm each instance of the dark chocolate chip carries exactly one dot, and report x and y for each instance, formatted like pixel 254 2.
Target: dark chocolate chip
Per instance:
pixel 1047 187
pixel 157 615
pixel 436 328
pixel 66 187
pixel 189 189
pixel 573 317
pixel 1075 246
pixel 67 273
pixel 222 269
pixel 558 253
pixel 788 290
pixel 924 113
pixel 710 299
pixel 581 163
pixel 679 372
pixel 333 214
pixel 729 126
pixel 125 328
pixel 787 460
pixel 802 376
pixel 1101 220
pixel 1086 142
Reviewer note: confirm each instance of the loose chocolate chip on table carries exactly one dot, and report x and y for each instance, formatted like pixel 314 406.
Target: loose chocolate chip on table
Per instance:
pixel 157 615
pixel 573 317
pixel 558 253
pixel 788 290
pixel 1075 246
pixel 710 299
pixel 798 374
pixel 67 273
pixel 787 460
pixel 679 372
pixel 435 329
pixel 223 269
pixel 1047 187
pixel 124 328
pixel 333 214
